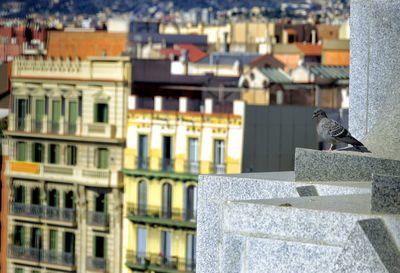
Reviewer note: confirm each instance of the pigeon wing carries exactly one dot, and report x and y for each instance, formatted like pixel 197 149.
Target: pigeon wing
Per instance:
pixel 333 129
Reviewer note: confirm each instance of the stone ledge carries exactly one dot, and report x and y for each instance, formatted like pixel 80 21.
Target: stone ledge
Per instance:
pixel 313 165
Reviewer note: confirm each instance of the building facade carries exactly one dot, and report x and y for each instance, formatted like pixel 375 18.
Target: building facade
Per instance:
pixel 165 153
pixel 66 142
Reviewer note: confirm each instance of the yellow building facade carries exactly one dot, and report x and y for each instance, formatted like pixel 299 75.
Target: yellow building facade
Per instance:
pixel 165 152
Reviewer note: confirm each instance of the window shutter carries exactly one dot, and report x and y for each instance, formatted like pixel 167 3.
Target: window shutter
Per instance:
pixel 94 246
pixel 56 110
pixel 95 117
pixel 105 113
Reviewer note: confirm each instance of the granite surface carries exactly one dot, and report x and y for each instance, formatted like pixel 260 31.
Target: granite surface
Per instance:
pixel 215 190
pixel 312 165
pixel 374 76
pixel 358 255
pixel 385 194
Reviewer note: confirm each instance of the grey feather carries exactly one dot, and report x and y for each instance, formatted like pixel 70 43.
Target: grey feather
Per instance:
pixel 332 131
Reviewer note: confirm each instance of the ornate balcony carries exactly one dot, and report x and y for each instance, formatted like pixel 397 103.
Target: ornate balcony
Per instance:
pixel 41 256
pixel 167 164
pixel 164 217
pixel 63 173
pixel 23 253
pixel 58 258
pixel 192 167
pixel 44 212
pixel 142 163
pixel 158 263
pixel 218 168
pixel 96 264
pixel 96 218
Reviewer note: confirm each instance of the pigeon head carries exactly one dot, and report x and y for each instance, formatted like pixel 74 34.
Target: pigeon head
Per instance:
pixel 319 113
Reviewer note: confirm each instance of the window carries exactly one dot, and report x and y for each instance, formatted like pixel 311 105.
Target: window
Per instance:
pixel 19 194
pixel 55 117
pixel 19 270
pixel 102 158
pixel 99 247
pixel 54 154
pixel 53 240
pixel 35 196
pixel 219 155
pixel 166 246
pixel 190 203
pixel 191 252
pixel 39 113
pixel 69 242
pixel 141 244
pixel 69 200
pixel 22 107
pixel 142 161
pixel 193 164
pixel 167 200
pixel 72 115
pixel 167 154
pixel 101 203
pixel 37 152
pixel 21 151
pixel 142 198
pixel 19 236
pixel 71 155
pixel 101 112
pixel 36 238
pixel 53 198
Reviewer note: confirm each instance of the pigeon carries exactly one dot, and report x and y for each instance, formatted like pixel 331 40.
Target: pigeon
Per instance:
pixel 333 132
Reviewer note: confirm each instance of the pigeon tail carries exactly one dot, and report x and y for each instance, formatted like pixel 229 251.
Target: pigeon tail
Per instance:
pixel 351 140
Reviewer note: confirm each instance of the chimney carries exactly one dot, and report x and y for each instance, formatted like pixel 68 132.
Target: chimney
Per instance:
pixel 158 103
pixel 183 102
pixel 313 36
pixel 226 45
pixel 208 106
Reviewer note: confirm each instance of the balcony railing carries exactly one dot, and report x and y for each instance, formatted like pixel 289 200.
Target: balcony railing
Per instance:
pixel 97 264
pixel 23 253
pixel 37 125
pixel 58 258
pixel 142 163
pixel 70 127
pixel 162 216
pixel 192 167
pixel 20 124
pixel 53 126
pixel 96 218
pixel 167 164
pixel 218 168
pixel 157 262
pixel 41 255
pixel 39 211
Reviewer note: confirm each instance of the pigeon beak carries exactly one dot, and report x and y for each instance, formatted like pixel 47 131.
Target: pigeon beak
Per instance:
pixel 314 115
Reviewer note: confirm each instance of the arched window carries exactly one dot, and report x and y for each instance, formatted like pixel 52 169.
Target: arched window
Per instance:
pixel 142 198
pixel 69 200
pixel 19 194
pixel 53 198
pixel 167 200
pixel 190 203
pixel 35 196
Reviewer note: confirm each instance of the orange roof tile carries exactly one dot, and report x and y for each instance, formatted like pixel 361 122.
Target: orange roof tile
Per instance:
pixel 310 49
pixel 194 53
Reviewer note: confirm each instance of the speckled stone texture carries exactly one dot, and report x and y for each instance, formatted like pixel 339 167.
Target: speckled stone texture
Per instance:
pixel 374 76
pixel 213 243
pixel 370 248
pixel 385 194
pixel 312 165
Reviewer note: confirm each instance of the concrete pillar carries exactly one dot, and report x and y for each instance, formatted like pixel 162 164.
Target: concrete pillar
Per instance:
pixel 208 105
pixel 183 103
pixel 158 103
pixel 374 75
pixel 132 102
pixel 238 107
